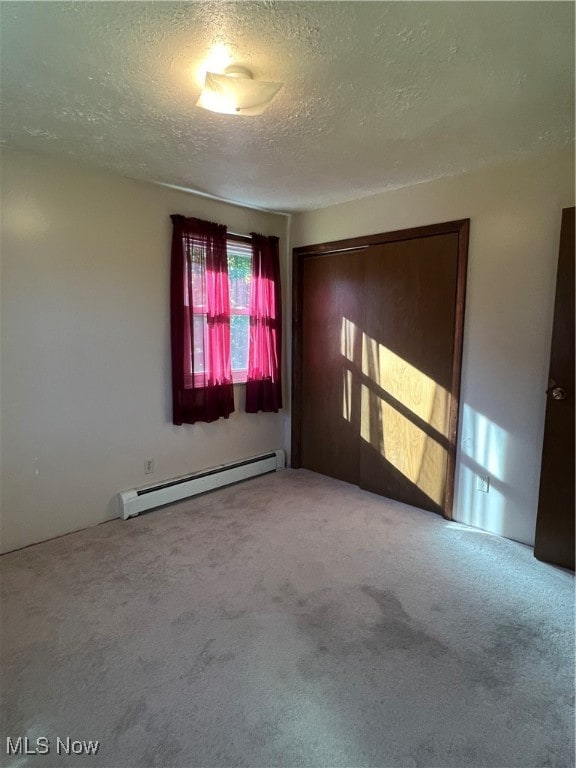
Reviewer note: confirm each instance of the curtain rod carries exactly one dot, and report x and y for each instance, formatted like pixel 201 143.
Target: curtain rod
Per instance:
pixel 240 236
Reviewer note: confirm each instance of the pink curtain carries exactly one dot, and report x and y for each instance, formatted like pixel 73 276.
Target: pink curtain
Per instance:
pixel 200 322
pixel 264 384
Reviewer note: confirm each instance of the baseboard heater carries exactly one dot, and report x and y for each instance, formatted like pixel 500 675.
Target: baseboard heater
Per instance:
pixel 141 499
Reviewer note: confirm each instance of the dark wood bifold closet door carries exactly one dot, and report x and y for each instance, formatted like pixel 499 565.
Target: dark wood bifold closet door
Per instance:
pixel 377 356
pixel 333 286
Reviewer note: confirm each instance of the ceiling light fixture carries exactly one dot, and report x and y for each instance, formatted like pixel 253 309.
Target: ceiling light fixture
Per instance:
pixel 236 93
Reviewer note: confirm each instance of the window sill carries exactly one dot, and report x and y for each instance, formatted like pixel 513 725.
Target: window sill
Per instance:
pixel 239 377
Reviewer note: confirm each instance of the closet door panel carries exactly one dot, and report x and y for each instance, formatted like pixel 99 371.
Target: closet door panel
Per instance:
pixel 406 368
pixel 332 314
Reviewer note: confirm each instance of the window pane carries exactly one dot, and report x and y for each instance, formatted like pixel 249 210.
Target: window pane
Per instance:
pixel 239 333
pixel 198 266
pixel 239 272
pixel 200 342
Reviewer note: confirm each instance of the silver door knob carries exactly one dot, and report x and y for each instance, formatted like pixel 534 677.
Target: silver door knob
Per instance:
pixel 558 393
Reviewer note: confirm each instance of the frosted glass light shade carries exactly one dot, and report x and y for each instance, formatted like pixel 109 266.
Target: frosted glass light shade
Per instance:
pixel 235 93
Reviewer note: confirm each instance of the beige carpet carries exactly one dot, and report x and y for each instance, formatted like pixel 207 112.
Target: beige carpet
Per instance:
pixel 288 621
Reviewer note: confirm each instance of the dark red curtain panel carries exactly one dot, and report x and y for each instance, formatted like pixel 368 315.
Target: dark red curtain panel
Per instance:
pixel 264 383
pixel 200 322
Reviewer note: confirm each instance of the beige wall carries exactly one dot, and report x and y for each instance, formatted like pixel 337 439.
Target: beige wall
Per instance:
pixel 85 346
pixel 515 213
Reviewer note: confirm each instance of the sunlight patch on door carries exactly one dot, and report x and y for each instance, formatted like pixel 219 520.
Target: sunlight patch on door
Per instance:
pixel 406 446
pixel 348 338
pixel 406 383
pixel 347 394
pixel 399 433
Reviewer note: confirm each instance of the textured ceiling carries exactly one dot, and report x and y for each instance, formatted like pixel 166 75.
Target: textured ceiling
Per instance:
pixel 377 95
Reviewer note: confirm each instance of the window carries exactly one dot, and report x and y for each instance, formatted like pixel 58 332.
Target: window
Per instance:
pixel 239 278
pixel 225 321
pixel 239 255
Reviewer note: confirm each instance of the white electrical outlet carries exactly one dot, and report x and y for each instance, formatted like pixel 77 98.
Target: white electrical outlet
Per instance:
pixel 148 466
pixel 482 483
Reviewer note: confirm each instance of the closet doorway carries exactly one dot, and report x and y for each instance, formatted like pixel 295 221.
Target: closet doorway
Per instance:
pixel 377 353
